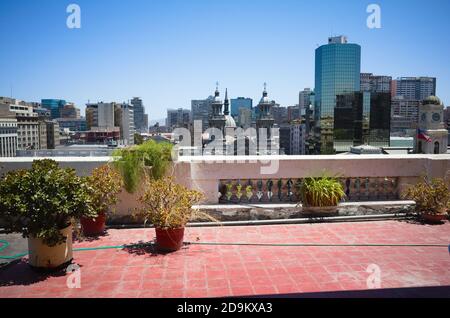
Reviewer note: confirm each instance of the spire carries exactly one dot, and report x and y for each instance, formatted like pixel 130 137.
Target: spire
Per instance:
pixel 226 103
pixel 265 89
pixel 217 89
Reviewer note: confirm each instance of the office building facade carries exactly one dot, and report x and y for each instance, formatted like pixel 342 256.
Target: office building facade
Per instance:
pixel 375 83
pixel 337 71
pixel 238 103
pixel 361 118
pixel 55 106
pixel 418 88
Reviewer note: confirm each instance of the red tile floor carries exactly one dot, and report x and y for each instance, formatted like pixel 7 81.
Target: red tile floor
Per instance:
pixel 232 270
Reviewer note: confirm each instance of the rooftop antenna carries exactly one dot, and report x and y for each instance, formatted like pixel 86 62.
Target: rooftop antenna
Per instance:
pixel 10 85
pixel 217 85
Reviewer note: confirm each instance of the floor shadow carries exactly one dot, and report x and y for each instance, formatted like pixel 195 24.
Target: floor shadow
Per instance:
pixel 145 248
pixel 412 292
pixel 19 272
pixel 82 238
pixel 420 221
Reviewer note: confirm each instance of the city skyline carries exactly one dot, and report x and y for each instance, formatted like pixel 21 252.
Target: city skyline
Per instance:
pixel 149 56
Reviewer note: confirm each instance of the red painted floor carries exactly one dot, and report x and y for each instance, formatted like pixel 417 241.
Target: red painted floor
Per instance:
pixel 211 271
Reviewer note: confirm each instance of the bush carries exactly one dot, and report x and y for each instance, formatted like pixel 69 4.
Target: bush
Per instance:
pixel 106 183
pixel 43 200
pixel 134 163
pixel 431 197
pixel 168 205
pixel 321 192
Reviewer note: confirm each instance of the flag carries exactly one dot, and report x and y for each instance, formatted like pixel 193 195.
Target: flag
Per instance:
pixel 422 135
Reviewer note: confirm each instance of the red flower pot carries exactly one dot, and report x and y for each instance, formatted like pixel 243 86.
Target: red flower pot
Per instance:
pixel 93 227
pixel 434 218
pixel 169 240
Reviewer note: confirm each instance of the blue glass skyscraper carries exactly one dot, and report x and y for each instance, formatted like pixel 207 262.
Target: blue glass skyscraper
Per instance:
pixel 337 71
pixel 54 106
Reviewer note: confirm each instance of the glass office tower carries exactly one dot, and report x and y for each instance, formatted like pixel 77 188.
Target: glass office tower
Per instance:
pixel 337 71
pixel 361 118
pixel 55 106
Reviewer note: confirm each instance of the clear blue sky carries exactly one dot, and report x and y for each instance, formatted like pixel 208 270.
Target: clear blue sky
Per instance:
pixel 169 52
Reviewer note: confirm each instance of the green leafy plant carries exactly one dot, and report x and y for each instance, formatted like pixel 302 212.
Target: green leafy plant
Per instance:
pixel 106 183
pixel 168 205
pixel 431 196
pixel 148 160
pixel 41 201
pixel 321 192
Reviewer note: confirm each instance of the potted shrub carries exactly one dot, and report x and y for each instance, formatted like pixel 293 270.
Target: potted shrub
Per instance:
pixel 41 203
pixel 321 195
pixel 106 184
pixel 137 163
pixel 168 206
pixel 432 199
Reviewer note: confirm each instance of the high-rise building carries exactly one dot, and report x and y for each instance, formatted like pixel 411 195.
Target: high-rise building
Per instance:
pixel 28 127
pixel 55 106
pixel 245 118
pixel 375 83
pixel 100 115
pixel 238 103
pixel 337 71
pixel 70 111
pixel 8 132
pixel 418 88
pixel 361 118
pixel 404 115
pixel 124 119
pixel 304 100
pixel 201 110
pixel 140 117
pixel 293 113
pixel 279 114
pixel 178 118
pixel 298 139
pixel 53 134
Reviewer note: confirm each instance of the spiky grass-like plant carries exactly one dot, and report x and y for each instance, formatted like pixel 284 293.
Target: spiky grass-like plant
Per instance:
pixel 324 191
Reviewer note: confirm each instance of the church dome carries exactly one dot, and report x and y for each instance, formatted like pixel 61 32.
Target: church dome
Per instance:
pixel 432 100
pixel 229 121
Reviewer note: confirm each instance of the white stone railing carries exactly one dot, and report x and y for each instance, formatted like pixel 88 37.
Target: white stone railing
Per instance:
pixel 365 177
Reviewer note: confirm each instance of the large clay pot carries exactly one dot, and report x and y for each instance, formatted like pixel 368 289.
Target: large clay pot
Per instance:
pixel 169 240
pixel 42 256
pixel 93 227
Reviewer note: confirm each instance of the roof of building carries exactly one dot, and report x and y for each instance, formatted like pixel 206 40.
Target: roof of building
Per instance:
pixel 433 100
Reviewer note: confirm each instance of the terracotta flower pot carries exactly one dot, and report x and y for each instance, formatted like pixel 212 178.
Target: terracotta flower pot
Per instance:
pixel 434 218
pixel 93 227
pixel 169 240
pixel 42 256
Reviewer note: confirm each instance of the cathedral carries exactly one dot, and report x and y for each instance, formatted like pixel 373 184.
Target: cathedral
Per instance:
pixel 225 138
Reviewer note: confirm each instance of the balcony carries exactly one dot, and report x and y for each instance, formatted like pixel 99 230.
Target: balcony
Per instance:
pixel 321 260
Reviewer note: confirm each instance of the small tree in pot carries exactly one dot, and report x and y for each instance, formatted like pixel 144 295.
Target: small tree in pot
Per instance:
pixel 106 183
pixel 41 203
pixel 168 206
pixel 432 198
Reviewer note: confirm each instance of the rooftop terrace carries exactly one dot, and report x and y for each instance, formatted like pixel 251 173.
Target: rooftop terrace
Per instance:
pixel 254 260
